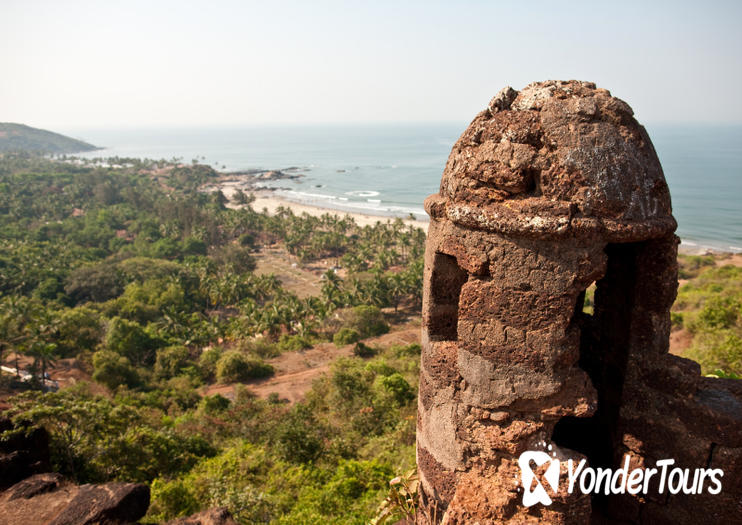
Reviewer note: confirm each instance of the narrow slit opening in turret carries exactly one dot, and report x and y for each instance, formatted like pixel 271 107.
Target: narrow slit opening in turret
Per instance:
pixel 605 337
pixel 446 281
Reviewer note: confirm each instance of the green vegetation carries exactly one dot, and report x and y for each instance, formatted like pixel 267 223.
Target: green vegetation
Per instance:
pixel 710 308
pixel 346 336
pixel 359 323
pixel 147 284
pixel 690 266
pixel 127 271
pixel 135 260
pixel 19 137
pixel 234 366
pixel 328 459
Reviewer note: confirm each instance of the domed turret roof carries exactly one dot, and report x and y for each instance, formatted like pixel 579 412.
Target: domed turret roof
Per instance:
pixel 558 157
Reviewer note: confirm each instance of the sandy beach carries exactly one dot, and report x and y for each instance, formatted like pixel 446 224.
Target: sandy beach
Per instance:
pixel 265 200
pixel 271 201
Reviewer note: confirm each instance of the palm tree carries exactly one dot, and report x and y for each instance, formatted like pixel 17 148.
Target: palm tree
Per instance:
pixel 44 355
pixel 220 200
pixel 16 314
pixel 8 326
pixel 331 289
pixel 355 291
pixel 398 287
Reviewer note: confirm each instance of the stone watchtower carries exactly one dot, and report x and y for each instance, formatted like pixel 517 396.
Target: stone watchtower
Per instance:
pixel 548 191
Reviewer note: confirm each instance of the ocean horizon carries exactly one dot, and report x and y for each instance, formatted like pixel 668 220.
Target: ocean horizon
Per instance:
pixel 389 169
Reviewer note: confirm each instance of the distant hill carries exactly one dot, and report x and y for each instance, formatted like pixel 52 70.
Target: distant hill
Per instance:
pixel 19 137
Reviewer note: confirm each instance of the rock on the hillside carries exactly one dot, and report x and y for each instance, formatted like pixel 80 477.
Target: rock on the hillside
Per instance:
pixel 110 503
pixel 49 499
pixel 35 485
pixel 36 496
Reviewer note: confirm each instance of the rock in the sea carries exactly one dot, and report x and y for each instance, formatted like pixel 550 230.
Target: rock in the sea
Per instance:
pixel 550 190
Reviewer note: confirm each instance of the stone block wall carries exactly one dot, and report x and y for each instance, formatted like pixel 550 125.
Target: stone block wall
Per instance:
pixel 548 191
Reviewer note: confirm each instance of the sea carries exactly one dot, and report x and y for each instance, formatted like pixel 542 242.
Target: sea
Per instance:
pixel 388 170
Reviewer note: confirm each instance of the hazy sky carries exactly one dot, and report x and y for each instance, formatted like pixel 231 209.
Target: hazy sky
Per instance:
pixel 148 63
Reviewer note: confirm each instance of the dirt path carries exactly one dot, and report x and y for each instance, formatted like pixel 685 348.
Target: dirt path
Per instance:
pixel 295 371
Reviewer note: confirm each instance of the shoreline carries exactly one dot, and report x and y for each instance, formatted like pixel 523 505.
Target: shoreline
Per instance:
pixel 268 200
pixel 271 200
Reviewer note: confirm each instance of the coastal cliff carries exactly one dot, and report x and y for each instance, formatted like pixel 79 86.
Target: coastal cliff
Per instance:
pixel 19 137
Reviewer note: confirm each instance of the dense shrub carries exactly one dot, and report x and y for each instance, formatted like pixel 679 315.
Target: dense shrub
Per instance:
pixel 235 258
pixel 368 320
pixel 396 387
pixel 690 266
pixel 193 246
pixel 234 366
pixel 362 350
pixel 710 308
pixel 214 404
pixel 171 361
pixel 79 330
pixel 717 350
pixel 247 240
pixel 207 362
pixel 346 336
pixel 348 497
pixel 131 341
pixel 296 441
pixel 261 347
pixel 112 369
pixel 95 282
pixel 141 453
pixel 719 312
pixel 171 499
pixel 292 343
pixel 412 349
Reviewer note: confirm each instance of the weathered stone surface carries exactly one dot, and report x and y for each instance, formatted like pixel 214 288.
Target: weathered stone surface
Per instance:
pixel 28 497
pixel 548 191
pixel 110 503
pixel 35 485
pixel 556 158
pixel 49 499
